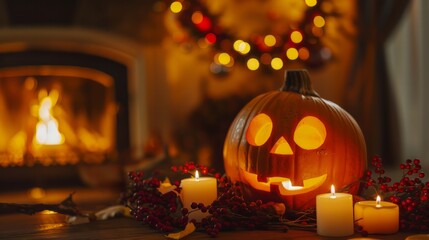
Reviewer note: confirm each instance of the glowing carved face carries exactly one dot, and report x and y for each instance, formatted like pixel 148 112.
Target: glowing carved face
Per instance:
pixel 309 134
pixel 290 145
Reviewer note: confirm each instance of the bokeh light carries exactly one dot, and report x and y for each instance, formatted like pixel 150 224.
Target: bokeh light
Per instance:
pixel 303 53
pixel 270 40
pixel 176 7
pixel 242 47
pixel 277 63
pixel 292 53
pixel 311 3
pixel 319 21
pixel 252 64
pixel 296 36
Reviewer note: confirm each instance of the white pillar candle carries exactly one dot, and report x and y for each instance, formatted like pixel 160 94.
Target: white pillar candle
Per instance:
pixel 334 214
pixel 198 190
pixel 377 216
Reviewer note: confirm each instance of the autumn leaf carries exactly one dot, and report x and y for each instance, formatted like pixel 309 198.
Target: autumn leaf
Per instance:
pixel 190 228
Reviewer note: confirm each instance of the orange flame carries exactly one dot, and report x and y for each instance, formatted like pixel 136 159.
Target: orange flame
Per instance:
pixel 47 132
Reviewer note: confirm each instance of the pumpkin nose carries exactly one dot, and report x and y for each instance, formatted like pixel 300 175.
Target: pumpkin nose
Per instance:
pixel 282 147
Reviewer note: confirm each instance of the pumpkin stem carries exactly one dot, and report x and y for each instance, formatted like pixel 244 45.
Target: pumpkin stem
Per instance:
pixel 298 81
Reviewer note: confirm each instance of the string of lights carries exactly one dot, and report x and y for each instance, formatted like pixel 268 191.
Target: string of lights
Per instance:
pixel 300 42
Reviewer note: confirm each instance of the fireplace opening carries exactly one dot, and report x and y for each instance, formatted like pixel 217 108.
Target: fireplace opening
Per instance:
pixel 59 111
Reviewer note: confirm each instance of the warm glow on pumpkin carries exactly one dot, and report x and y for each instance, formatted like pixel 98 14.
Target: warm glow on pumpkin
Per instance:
pixel 325 144
pixel 259 130
pixel 282 147
pixel 310 133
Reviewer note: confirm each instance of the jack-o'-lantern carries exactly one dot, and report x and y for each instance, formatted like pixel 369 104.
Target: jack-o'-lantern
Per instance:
pixel 291 145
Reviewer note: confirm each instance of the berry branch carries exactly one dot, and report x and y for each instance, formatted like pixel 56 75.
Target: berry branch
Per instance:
pixel 229 211
pixel 411 193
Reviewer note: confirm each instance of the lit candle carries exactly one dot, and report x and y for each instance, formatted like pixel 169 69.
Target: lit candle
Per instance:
pixel 198 190
pixel 334 214
pixel 377 216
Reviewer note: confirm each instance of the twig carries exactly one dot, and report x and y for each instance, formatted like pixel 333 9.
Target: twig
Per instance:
pixel 67 207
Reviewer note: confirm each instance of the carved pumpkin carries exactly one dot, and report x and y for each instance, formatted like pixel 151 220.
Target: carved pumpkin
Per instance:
pixel 291 145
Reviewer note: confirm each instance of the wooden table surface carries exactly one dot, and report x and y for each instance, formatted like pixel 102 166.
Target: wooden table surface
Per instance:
pixel 54 226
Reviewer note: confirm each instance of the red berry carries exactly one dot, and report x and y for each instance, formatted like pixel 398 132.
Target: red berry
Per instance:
pixel 421 175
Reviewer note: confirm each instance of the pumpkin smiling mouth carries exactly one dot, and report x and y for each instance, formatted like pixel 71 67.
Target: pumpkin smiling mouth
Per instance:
pixel 283 184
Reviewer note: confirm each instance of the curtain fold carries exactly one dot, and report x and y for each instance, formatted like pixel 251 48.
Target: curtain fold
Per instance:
pixel 368 94
pixel 408 61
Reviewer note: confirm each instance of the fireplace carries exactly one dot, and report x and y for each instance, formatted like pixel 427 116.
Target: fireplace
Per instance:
pixel 65 105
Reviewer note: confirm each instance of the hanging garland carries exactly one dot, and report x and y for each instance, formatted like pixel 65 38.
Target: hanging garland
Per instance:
pixel 300 43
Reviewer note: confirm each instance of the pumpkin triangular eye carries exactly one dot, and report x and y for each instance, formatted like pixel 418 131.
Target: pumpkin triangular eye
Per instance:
pixel 310 133
pixel 259 130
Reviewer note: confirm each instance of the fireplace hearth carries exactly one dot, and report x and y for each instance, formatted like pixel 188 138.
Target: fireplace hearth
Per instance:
pixel 64 106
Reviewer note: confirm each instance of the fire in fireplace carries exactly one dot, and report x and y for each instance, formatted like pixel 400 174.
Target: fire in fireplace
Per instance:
pixel 56 115
pixel 65 105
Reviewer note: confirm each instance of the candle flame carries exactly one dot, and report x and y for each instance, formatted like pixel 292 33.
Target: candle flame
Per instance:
pixel 378 201
pixel 333 191
pixel 197 175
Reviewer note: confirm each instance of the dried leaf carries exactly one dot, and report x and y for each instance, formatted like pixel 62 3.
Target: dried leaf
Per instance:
pixel 75 220
pixel 190 228
pixel 112 211
pixel 166 187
